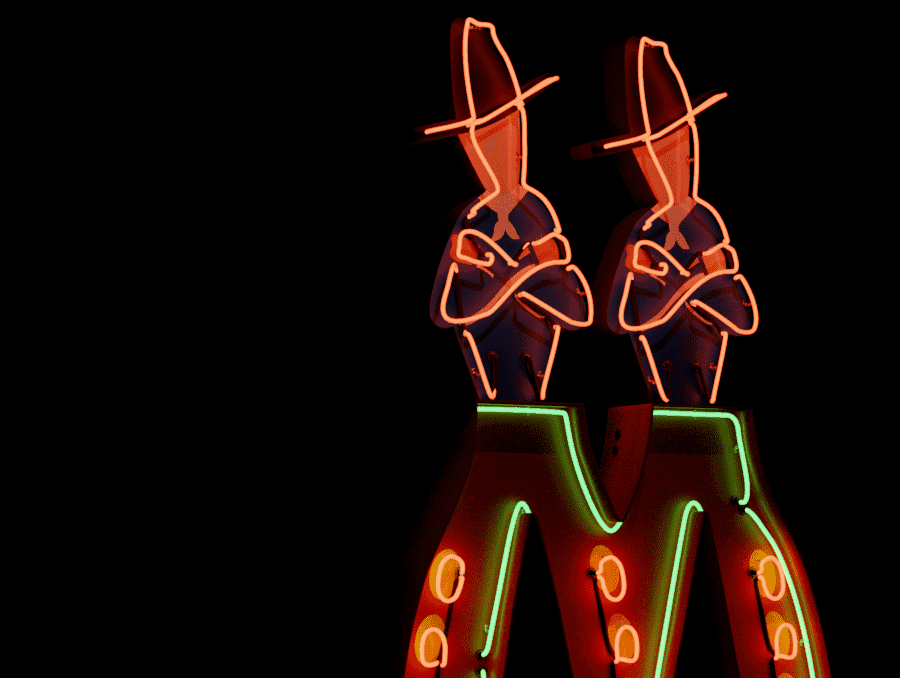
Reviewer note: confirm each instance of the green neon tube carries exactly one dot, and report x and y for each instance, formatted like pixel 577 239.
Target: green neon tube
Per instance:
pixel 510 532
pixel 790 583
pixel 570 439
pixel 703 414
pixel 663 642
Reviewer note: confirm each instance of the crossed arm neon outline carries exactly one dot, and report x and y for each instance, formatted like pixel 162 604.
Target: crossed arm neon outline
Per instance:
pixel 517 281
pixel 683 295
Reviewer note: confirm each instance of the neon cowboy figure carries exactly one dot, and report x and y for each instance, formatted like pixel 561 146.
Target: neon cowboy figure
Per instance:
pixel 670 277
pixel 505 281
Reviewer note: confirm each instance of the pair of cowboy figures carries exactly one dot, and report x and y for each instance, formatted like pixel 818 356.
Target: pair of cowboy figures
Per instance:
pixel 506 281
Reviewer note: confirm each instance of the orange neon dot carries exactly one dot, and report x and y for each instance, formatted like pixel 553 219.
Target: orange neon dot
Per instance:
pixel 516 281
pixel 765 585
pixel 637 646
pixel 777 644
pixel 427 664
pixel 601 580
pixel 462 578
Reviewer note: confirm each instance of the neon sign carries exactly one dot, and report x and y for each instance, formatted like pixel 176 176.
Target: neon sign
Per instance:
pixel 695 494
pixel 637 599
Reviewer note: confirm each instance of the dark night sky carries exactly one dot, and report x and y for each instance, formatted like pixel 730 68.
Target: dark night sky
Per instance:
pixel 771 165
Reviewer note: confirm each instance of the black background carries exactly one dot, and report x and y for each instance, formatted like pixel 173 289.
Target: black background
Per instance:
pixel 777 163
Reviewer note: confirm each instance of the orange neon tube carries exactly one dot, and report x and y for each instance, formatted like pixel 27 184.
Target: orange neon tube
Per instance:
pixel 737 330
pixel 602 580
pixel 663 132
pixel 517 281
pixel 462 578
pixel 663 266
pixel 794 644
pixel 443 662
pixel 637 646
pixel 681 297
pixel 765 585
pixel 490 257
pixel 487 387
pixel 656 380
pixel 647 138
pixel 719 365
pixel 546 378
pixel 559 314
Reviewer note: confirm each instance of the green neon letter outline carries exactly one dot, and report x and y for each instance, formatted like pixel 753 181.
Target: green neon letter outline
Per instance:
pixel 570 439
pixel 523 507
pixel 663 642
pixel 790 583
pixel 738 434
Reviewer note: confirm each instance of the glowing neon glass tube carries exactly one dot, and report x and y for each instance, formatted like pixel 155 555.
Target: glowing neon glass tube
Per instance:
pixel 738 434
pixel 664 638
pixel 462 578
pixel 790 584
pixel 573 455
pixel 521 507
